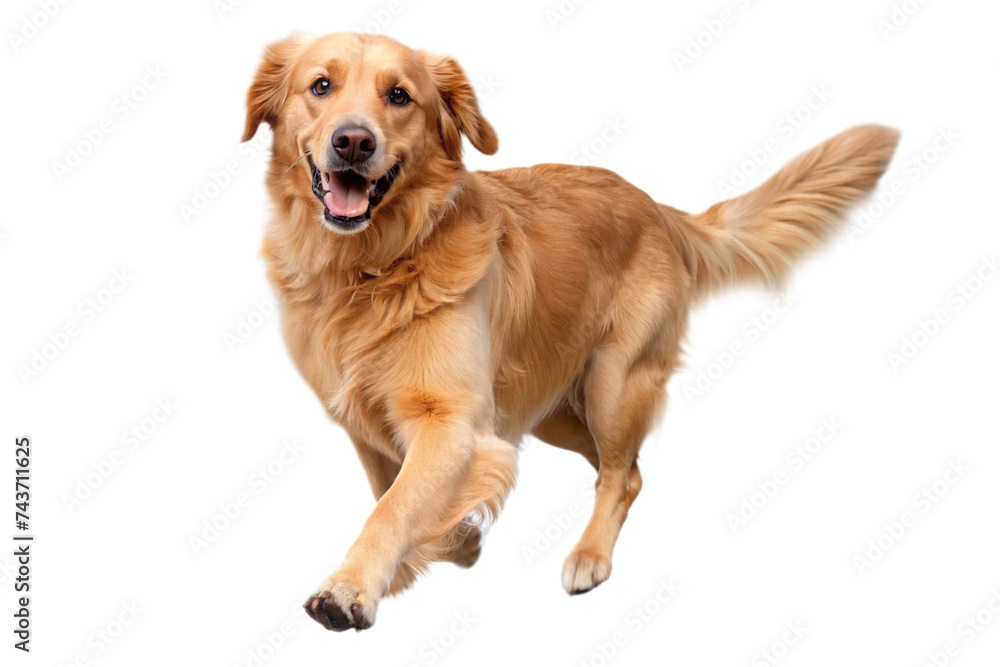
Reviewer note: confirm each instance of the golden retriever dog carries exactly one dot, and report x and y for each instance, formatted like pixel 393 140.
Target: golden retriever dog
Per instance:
pixel 441 315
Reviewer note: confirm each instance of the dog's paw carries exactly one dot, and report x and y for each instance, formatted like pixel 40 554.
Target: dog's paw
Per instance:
pixel 584 570
pixel 338 607
pixel 467 552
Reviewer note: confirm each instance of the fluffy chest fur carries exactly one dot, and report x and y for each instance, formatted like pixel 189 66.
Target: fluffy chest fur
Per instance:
pixel 354 331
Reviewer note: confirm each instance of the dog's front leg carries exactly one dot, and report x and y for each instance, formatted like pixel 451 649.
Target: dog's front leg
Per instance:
pixel 441 413
pixel 435 462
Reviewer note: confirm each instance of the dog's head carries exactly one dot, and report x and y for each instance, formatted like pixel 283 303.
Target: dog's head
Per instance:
pixel 360 119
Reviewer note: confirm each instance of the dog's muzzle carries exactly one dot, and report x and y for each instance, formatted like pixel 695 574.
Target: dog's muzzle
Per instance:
pixel 348 197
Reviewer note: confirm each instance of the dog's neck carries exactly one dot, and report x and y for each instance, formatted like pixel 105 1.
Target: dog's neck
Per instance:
pixel 410 243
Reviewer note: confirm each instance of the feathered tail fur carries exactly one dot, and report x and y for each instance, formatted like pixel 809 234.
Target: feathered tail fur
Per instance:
pixel 757 236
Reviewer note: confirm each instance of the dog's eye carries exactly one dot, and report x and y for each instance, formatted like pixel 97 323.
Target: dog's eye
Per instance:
pixel 398 96
pixel 321 87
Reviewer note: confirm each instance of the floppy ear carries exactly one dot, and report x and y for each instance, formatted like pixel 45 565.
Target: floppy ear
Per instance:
pixel 269 88
pixel 460 112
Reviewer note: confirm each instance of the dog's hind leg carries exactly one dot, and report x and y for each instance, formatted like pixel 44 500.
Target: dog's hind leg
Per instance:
pixel 623 397
pixel 564 429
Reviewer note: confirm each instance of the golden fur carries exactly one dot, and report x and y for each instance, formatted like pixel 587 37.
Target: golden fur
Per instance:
pixel 476 308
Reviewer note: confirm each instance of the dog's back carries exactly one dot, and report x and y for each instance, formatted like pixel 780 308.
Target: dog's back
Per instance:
pixel 592 266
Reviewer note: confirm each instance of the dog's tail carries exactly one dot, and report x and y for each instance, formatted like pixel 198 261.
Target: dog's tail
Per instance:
pixel 756 236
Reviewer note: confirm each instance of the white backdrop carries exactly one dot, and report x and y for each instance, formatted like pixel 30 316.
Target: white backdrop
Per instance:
pixel 825 496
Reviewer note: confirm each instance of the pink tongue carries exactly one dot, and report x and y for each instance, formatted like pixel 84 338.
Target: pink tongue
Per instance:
pixel 347 200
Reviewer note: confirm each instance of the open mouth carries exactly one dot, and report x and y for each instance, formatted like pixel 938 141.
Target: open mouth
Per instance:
pixel 348 197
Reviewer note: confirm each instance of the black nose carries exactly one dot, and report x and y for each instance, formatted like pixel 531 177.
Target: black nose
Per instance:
pixel 353 143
